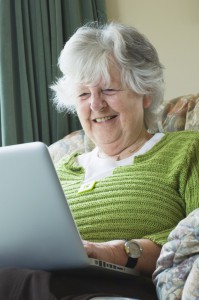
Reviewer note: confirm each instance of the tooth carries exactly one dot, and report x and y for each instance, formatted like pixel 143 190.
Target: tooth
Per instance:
pixel 98 120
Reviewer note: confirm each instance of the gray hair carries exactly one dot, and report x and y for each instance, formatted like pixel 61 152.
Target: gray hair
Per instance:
pixel 85 60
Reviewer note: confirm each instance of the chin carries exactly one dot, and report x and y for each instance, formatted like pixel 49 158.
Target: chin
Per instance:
pixel 103 140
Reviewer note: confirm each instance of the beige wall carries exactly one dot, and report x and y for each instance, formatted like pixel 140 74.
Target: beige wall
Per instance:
pixel 173 28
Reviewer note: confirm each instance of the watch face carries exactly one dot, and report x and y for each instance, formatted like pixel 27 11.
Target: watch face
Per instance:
pixel 133 249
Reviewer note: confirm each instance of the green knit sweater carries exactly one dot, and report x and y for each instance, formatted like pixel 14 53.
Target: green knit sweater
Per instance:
pixel 143 200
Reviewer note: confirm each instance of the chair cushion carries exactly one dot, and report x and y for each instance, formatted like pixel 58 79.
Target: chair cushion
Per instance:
pixel 75 141
pixel 181 113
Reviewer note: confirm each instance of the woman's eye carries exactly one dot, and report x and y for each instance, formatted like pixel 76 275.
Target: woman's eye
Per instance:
pixel 84 96
pixel 109 92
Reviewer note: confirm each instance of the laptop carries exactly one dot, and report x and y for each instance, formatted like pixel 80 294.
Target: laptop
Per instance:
pixel 37 229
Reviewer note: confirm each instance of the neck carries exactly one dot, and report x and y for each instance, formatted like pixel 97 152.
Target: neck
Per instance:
pixel 128 150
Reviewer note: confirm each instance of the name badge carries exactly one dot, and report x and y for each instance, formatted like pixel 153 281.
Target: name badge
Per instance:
pixel 86 187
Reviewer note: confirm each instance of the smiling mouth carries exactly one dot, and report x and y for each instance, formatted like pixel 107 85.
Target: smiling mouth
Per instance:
pixel 104 119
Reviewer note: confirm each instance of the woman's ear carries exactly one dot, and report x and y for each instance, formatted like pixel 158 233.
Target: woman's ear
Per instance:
pixel 146 101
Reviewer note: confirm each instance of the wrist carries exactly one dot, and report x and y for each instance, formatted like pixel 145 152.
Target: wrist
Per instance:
pixel 133 251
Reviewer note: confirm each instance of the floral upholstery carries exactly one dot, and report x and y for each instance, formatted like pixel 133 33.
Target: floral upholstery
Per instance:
pixel 181 113
pixel 75 141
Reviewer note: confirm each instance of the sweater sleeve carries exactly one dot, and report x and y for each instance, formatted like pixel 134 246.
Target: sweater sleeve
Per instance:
pixel 191 191
pixel 188 188
pixel 159 238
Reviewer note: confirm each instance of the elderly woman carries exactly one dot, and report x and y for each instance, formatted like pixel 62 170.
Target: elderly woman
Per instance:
pixel 136 185
pixel 114 81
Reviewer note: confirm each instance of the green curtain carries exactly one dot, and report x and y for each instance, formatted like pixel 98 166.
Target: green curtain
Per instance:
pixel 32 34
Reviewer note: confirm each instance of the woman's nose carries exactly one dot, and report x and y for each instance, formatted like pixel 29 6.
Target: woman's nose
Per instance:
pixel 97 101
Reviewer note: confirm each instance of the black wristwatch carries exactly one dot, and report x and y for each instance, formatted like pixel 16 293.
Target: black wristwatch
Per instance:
pixel 134 251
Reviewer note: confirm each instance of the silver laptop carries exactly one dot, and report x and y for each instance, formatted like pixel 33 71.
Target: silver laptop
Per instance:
pixel 37 229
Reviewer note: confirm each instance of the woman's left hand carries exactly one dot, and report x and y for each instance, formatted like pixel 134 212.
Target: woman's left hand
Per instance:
pixel 112 251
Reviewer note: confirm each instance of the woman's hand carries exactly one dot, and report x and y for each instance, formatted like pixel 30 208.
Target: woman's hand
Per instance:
pixel 112 251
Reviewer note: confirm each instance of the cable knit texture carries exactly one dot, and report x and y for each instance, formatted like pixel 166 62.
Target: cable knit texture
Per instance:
pixel 143 200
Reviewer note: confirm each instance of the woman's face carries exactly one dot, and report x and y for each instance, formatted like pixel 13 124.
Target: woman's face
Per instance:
pixel 113 117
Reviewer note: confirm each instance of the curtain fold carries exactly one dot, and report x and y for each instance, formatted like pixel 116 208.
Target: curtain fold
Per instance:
pixel 32 34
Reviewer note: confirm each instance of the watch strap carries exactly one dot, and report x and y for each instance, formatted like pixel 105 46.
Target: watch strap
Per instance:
pixel 131 262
